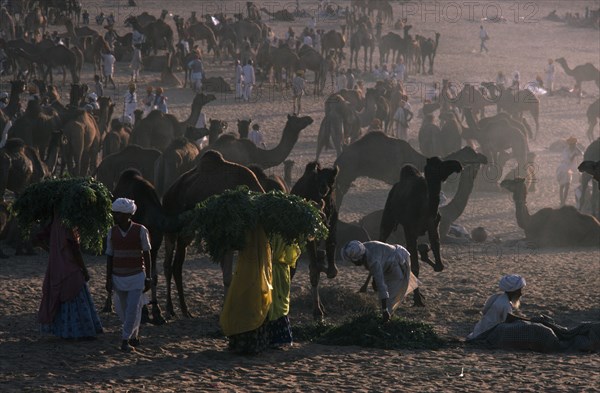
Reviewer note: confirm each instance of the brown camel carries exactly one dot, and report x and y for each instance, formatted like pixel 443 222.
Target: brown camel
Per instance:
pixel 428 50
pixel 133 185
pixel 54 56
pixel 244 152
pixel 158 129
pixel 312 60
pixel 364 158
pixel 211 176
pixel 548 227
pixel 383 8
pixel 89 41
pixel 82 146
pixel 243 128
pixel 333 40
pixel 318 184
pixel 252 10
pixel 362 38
pixel 269 183
pixel 132 156
pixel 20 166
pixel 593 114
pixel 339 124
pixel 176 159
pixel 391 43
pixel 117 139
pixel 279 15
pixel 496 137
pixel 7 24
pixel 581 73
pixel 413 203
pixel 591 153
pixel 515 103
pixel 107 108
pixel 354 97
pixel 202 32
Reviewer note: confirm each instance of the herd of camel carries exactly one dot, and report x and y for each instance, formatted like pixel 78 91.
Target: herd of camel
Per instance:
pixel 156 162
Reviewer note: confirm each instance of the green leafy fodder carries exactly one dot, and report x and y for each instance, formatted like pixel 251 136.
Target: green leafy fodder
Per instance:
pixel 220 222
pixel 82 203
pixel 368 331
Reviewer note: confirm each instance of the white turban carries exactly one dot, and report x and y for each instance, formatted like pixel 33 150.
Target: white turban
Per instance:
pixel 124 205
pixel 511 283
pixel 353 251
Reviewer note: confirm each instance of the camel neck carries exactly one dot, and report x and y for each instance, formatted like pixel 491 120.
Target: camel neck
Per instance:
pixel 457 205
pixel 522 212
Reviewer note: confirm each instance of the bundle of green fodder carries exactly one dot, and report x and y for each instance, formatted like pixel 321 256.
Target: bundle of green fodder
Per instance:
pixel 367 330
pixel 81 203
pixel 220 222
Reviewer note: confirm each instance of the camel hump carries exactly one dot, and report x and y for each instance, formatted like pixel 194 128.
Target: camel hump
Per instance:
pixel 409 171
pixel 212 156
pixel 14 145
pixel 130 173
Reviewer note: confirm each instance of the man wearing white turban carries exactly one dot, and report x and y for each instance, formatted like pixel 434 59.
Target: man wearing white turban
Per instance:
pixel 128 269
pixel 498 308
pixel 389 265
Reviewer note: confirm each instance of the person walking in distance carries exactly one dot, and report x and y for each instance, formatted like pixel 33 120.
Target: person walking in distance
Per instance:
pixel 130 101
pixel 550 76
pixel 249 79
pixel 239 79
pixel 298 91
pixel 483 36
pixel 197 72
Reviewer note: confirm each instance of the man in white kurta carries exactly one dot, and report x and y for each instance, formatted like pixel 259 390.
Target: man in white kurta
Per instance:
pixel 249 80
pixel 390 266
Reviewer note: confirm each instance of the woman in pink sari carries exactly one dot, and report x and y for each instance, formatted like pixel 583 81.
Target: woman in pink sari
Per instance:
pixel 67 309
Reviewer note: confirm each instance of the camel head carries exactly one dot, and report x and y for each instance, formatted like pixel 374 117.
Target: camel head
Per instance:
pixel 321 180
pixel 298 123
pixel 561 60
pixel 202 99
pixel 244 128
pixel 466 156
pixel 592 168
pixel 517 186
pixel 437 169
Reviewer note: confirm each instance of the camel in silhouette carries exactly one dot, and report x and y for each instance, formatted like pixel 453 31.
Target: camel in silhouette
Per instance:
pixel 363 158
pixel 312 60
pixel 159 35
pixel 548 227
pixel 177 159
pixel 515 103
pixel 132 156
pixel 158 129
pixel 591 168
pixel 333 40
pixel 117 139
pixel 244 152
pixel 362 39
pixel 318 184
pixel 428 51
pixel 20 166
pixel 581 73
pixel 593 114
pixel 211 176
pixel 339 124
pixel 413 203
pixel 591 154
pixel 280 15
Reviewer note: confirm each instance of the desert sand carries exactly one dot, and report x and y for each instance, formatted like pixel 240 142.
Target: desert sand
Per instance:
pixel 191 355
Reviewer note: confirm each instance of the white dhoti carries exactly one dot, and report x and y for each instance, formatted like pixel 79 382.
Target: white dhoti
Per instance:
pixel 197 81
pixel 247 91
pixel 401 285
pixel 128 300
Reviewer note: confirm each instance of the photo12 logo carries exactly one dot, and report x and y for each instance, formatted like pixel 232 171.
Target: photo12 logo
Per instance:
pixel 474 11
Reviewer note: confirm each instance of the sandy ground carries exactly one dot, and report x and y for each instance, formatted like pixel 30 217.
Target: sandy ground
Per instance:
pixel 189 355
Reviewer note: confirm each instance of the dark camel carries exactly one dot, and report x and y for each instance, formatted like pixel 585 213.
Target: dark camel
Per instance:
pixel 159 35
pixel 176 159
pixel 243 128
pixel 280 15
pixel 339 124
pixel 592 168
pixel 381 157
pixel 132 156
pixel 516 103
pixel 20 166
pixel 117 139
pixel 244 152
pixel 548 227
pixel 362 38
pixel 318 184
pixel 312 60
pixel 593 114
pixel 581 73
pixel 333 40
pixel 428 50
pixel 212 175
pixel 413 203
pixel 157 129
pixel 150 214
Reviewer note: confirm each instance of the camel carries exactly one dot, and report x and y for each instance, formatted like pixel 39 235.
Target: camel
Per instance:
pixel 495 137
pixel 364 158
pixel 133 185
pixel 581 73
pixel 211 176
pixel 318 184
pixel 117 139
pixel 176 159
pixel 593 114
pixel 515 103
pixel 107 108
pixel 354 97
pixel 548 227
pixel 8 25
pixel 244 152
pixel 288 166
pixel 82 146
pixel 281 15
pixel 132 156
pixel 310 59
pixel 247 30
pixel 54 56
pixel 158 34
pixel 253 12
pixel 362 38
pixel 339 124
pixel 14 106
pixel 413 203
pixel 390 43
pixel 384 10
pixel 89 41
pixel 202 32
pixel 158 129
pixel 278 59
pixel 449 138
pixel 592 153
pixel 243 128
pixel 429 137
pixel 333 40
pixel 20 166
pixel 269 183
pixel 428 50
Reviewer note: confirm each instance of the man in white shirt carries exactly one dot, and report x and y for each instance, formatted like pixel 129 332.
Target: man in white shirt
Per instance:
pixel 256 136
pixel 130 101
pixel 402 117
pixel 390 266
pixel 249 80
pixel 498 308
pixel 239 79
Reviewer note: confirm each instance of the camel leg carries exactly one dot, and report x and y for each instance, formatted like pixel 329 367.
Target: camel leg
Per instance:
pixel 315 274
pixel 170 242
pixel 178 276
pixel 411 245
pixel 434 240
pixel 157 318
